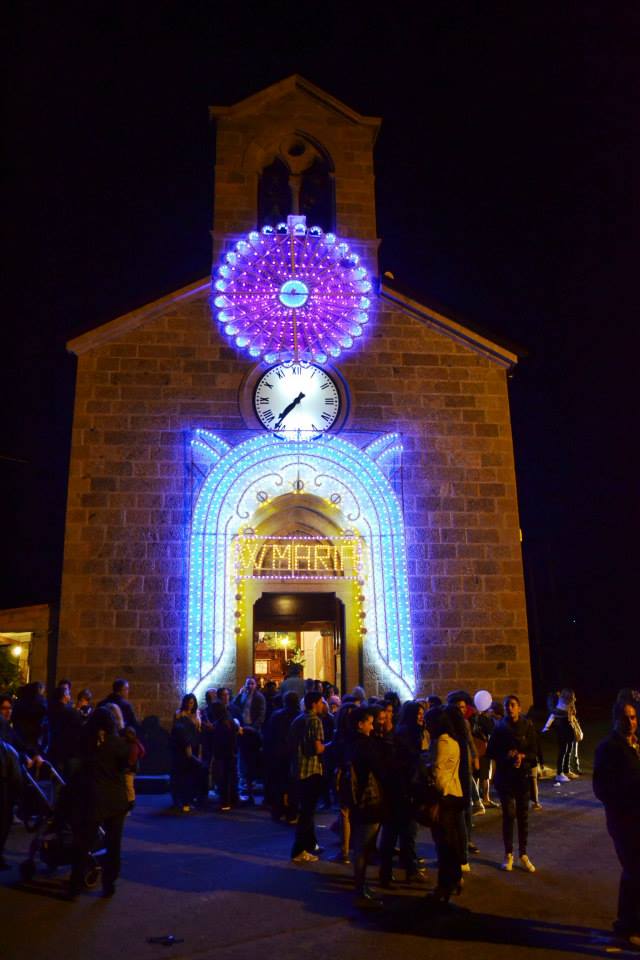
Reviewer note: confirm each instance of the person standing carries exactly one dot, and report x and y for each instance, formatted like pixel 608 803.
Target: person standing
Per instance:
pixel 65 726
pixel 367 812
pixel 277 788
pixel 99 798
pixel 616 783
pixel 250 708
pixel 224 739
pixel 513 748
pixel 560 720
pixel 120 696
pixel 403 757
pixel 306 742
pixel 451 773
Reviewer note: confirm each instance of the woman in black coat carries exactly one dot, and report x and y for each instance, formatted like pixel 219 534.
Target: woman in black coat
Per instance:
pixel 98 797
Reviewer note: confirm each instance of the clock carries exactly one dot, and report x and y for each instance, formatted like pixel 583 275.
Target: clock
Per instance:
pixel 292 293
pixel 297 400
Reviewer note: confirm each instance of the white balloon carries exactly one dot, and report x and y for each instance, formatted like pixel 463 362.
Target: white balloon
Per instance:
pixel 482 700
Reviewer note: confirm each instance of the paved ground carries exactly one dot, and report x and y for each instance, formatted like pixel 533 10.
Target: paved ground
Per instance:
pixel 225 886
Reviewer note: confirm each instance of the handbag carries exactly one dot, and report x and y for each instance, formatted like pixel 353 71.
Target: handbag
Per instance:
pixel 577 729
pixel 424 793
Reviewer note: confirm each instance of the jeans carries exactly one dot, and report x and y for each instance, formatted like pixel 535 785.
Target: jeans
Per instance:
pixel 565 743
pixel 515 807
pixel 399 827
pixel 363 839
pixel 308 790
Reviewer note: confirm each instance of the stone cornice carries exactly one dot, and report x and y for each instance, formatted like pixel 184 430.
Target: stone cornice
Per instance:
pixel 130 321
pixel 451 328
pixel 257 101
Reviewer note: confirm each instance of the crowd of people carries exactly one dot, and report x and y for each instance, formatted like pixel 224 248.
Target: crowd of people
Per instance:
pixel 384 767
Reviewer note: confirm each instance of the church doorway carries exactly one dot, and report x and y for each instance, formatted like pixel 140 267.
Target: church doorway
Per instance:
pixel 304 628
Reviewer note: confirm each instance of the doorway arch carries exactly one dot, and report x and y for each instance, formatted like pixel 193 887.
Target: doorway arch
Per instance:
pixel 350 491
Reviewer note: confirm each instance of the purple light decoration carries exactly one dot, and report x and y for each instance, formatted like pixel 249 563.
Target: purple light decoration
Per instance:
pixel 292 292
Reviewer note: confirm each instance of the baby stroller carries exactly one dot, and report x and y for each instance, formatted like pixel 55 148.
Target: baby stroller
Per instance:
pixel 44 810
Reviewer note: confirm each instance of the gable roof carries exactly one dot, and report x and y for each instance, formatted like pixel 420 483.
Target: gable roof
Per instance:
pixel 136 318
pixel 498 351
pixel 256 102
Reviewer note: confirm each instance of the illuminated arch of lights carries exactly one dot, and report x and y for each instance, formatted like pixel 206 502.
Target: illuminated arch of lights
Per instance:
pixel 258 471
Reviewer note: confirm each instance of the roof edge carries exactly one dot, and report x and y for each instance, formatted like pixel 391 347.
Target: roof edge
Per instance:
pixel 295 81
pixel 135 318
pixel 471 338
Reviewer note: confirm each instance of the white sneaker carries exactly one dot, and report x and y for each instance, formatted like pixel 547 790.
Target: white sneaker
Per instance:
pixel 526 864
pixel 507 863
pixel 561 778
pixel 466 868
pixel 478 808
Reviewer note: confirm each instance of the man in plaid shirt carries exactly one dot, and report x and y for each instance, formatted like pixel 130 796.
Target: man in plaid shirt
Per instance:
pixel 306 741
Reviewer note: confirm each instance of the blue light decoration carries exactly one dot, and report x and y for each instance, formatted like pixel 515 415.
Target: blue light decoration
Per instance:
pixel 353 484
pixel 292 293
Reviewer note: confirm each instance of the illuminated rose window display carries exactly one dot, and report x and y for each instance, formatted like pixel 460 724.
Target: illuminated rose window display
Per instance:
pixel 292 293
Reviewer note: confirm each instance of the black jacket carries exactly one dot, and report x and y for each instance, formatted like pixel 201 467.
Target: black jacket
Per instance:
pixel 616 775
pixel 276 735
pixel 127 711
pixel 257 710
pixel 509 736
pixel 65 728
pixel 98 789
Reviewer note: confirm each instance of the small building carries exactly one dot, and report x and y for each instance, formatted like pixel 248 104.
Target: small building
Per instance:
pixel 292 459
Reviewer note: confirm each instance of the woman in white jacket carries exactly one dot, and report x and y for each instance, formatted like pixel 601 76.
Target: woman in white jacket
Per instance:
pixel 450 768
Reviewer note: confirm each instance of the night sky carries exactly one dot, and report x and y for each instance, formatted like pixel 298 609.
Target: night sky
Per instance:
pixel 507 181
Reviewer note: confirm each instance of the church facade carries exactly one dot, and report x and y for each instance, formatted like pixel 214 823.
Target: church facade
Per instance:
pixel 291 460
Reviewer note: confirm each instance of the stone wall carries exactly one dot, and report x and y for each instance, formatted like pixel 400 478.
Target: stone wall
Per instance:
pixel 139 397
pixel 461 516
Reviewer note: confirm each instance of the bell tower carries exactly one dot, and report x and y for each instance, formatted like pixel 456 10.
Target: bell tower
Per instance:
pixel 294 149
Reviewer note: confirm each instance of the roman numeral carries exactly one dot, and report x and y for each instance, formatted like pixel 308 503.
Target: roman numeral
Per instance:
pixel 267 384
pixel 325 386
pixel 326 417
pixel 268 416
pixel 280 374
pixel 330 401
pixel 296 370
pixel 263 400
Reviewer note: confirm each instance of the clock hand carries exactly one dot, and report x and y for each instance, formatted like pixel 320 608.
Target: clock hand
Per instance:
pixel 287 410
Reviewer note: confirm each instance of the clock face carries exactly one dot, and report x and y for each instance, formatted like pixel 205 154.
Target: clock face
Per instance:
pixel 296 397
